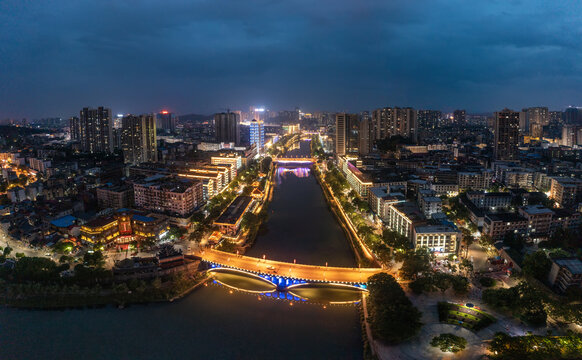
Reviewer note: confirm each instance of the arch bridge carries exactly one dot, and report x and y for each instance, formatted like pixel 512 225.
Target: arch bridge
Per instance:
pixel 290 273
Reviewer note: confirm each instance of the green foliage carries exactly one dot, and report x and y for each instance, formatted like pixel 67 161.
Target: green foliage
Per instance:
pixel 466 265
pixel 35 269
pixel 94 259
pixel 266 164
pixel 523 300
pixel 537 265
pixel 395 240
pixel 227 246
pixel 388 305
pixel 534 347
pixel 415 263
pixel 487 281
pixel 449 342
pixel 177 232
pixel 514 241
pixel 7 250
pixel 434 281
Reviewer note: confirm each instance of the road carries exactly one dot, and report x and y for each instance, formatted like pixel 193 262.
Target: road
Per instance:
pixel 298 271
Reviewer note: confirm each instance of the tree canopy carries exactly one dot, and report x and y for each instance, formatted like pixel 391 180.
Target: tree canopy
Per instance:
pixel 388 305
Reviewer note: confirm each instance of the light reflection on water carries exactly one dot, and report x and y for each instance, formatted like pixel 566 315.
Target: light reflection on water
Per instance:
pixel 312 292
pixel 300 172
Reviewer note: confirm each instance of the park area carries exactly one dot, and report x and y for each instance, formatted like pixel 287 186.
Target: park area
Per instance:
pixel 465 316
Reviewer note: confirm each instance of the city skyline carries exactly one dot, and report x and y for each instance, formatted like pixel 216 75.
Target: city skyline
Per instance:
pixel 445 56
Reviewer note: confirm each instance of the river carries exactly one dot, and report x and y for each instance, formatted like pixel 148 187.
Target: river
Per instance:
pixel 214 322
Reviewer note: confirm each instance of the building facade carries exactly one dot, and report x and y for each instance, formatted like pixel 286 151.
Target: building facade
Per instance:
pixel 138 139
pixel 506 135
pixel 95 130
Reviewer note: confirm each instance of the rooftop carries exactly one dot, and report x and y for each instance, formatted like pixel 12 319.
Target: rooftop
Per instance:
pixel 505 217
pixel 235 210
pixel 64 221
pixel 434 229
pixel 572 264
pixel 536 210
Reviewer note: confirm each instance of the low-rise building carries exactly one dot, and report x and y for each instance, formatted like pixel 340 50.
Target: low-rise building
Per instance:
pixel 478 180
pixel 491 201
pixel 230 219
pixel 115 197
pixel 437 238
pixel 565 273
pixel 566 219
pixel 539 221
pixel 168 195
pixel 498 225
pixel 566 192
pixel 431 205
pixel 402 217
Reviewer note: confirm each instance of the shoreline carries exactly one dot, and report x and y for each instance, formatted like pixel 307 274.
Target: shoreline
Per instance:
pixel 66 301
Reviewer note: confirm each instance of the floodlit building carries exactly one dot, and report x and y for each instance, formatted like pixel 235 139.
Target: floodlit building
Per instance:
pixel 442 239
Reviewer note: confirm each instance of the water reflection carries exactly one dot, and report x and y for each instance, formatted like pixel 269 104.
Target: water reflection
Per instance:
pixel 283 172
pixel 241 280
pixel 327 293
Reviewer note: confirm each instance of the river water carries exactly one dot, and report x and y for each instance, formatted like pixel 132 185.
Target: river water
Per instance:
pixel 214 322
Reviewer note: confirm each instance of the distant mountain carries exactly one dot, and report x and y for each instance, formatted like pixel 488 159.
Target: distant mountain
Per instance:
pixel 194 118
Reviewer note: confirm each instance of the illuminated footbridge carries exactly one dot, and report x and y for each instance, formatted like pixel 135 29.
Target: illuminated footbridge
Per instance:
pixel 285 288
pixel 296 160
pixel 279 271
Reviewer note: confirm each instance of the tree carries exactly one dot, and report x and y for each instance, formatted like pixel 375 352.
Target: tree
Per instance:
pixel 35 269
pixel 537 265
pixel 94 259
pixel 415 263
pixel 449 342
pixel 395 240
pixel 266 164
pixel 388 305
pixel 514 241
pixel 466 265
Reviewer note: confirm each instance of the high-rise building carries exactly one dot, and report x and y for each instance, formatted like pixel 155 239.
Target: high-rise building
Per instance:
pixel 395 121
pixel 573 115
pixel 95 130
pixel 506 134
pixel 341 125
pixel 460 117
pixel 347 133
pixel 138 139
pixel 227 127
pixel 571 135
pixel 428 119
pixel 257 135
pixel 75 128
pixel 366 142
pixel 537 118
pixel 166 121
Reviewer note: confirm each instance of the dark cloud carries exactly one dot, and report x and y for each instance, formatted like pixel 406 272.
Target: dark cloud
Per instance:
pixel 202 56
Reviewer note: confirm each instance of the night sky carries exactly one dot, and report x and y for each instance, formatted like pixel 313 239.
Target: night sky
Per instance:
pixel 205 56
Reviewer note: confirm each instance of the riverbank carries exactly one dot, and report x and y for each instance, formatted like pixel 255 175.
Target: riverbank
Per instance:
pixel 363 254
pixel 40 296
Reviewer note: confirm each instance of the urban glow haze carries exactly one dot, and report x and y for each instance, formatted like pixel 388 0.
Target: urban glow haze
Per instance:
pixel 205 56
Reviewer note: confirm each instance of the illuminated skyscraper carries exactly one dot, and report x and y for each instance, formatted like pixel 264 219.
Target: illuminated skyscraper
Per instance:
pixel 166 121
pixel 537 118
pixel 506 134
pixel 257 134
pixel 95 130
pixel 460 117
pixel 395 121
pixel 138 139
